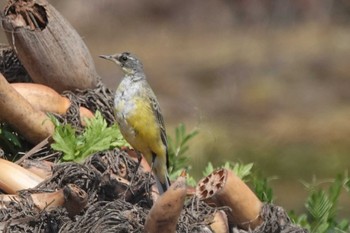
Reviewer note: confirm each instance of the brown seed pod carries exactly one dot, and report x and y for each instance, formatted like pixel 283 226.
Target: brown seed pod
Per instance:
pixel 14 178
pixel 224 188
pixel 41 168
pixel 71 197
pixel 34 125
pixel 75 199
pixel 220 224
pixel 46 99
pixel 165 212
pixel 48 47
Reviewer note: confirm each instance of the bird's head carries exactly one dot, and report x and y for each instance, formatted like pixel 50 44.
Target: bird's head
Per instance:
pixel 128 62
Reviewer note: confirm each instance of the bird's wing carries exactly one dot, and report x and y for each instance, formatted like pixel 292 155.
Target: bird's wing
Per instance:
pixel 159 118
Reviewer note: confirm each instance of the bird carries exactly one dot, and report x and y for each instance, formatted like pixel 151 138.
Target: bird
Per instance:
pixel 139 117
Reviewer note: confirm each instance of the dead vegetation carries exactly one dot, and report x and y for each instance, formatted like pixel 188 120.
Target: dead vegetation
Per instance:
pixel 105 193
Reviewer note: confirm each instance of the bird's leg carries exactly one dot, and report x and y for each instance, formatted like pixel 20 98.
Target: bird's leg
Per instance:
pixel 152 165
pixel 153 159
pixel 139 158
pixel 150 173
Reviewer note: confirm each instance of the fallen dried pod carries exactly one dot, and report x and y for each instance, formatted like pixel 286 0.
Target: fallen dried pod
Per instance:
pixel 34 125
pixel 46 99
pixel 71 197
pixel 75 199
pixel 224 188
pixel 14 178
pixel 47 45
pixel 41 168
pixel 165 212
pixel 220 224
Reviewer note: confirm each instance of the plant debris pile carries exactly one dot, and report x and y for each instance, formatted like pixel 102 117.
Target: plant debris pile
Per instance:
pixel 114 205
pixel 11 67
pixel 275 220
pixel 100 98
pixel 118 195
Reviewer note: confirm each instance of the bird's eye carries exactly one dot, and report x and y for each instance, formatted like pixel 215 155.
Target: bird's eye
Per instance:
pixel 124 58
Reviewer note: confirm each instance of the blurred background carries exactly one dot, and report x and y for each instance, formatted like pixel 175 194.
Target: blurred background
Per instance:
pixel 266 81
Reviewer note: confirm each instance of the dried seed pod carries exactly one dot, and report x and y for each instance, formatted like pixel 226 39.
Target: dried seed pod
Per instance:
pixel 48 47
pixel 14 178
pixel 71 197
pixel 46 99
pixel 224 188
pixel 41 168
pixel 34 125
pixel 165 212
pixel 75 199
pixel 220 224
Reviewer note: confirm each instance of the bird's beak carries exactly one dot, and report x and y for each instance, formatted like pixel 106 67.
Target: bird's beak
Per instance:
pixel 110 57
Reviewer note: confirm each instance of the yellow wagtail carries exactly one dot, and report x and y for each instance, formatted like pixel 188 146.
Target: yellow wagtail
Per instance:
pixel 139 116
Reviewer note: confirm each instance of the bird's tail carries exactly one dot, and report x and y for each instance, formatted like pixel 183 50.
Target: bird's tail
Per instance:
pixel 160 170
pixel 163 182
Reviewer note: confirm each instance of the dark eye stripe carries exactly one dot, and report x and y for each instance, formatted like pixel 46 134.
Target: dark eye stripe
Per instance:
pixel 124 57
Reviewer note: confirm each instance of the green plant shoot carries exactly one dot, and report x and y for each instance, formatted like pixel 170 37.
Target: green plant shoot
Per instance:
pixel 97 136
pixel 177 149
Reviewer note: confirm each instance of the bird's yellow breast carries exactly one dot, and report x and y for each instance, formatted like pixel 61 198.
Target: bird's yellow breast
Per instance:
pixel 139 126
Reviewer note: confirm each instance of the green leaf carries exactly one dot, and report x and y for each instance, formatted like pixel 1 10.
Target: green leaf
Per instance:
pixel 334 194
pixel 344 225
pixel 321 228
pixel 10 142
pixel 11 137
pixel 322 206
pixel 208 169
pixel 178 148
pixel 319 206
pixel 262 189
pixel 189 179
pixel 97 136
pixel 242 170
pixel 65 141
